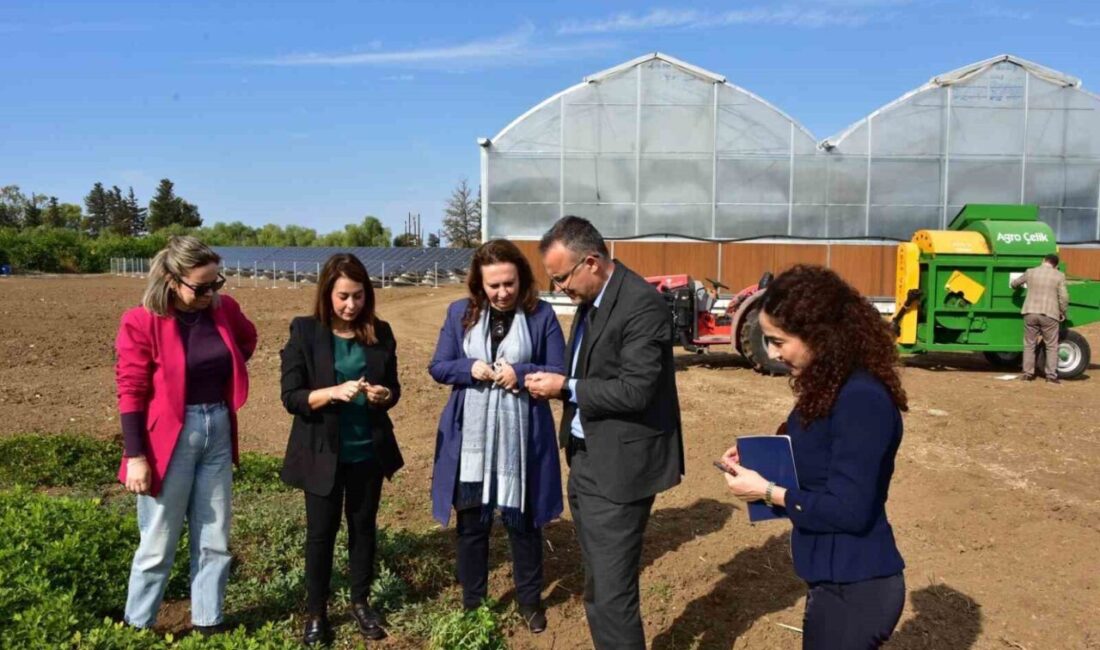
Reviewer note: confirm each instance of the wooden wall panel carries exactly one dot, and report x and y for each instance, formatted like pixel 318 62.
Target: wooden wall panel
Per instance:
pixel 697 259
pixel 530 250
pixel 744 264
pixel 869 268
pixel 1081 262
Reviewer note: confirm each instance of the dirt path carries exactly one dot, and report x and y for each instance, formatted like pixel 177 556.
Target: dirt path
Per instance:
pixel 995 503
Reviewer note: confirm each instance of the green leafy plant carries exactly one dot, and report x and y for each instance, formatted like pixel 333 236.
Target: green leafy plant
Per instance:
pixel 259 473
pixel 479 629
pixel 57 461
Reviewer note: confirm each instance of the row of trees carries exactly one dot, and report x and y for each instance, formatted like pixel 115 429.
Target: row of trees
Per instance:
pixel 39 232
pixel 108 211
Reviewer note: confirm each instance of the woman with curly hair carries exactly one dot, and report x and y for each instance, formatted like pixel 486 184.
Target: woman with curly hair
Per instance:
pixel 845 430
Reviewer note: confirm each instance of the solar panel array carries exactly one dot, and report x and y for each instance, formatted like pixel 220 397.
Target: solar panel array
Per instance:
pixel 306 260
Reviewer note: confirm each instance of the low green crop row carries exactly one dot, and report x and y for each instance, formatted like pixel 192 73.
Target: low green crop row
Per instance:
pixel 65 561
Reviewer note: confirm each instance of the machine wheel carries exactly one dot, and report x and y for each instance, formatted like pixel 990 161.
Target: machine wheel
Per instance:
pixel 1073 355
pixel 1006 360
pixel 756 351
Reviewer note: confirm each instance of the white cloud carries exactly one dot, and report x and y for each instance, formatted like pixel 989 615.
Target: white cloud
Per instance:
pixel 518 46
pixel 837 13
pixel 991 10
pixel 1084 22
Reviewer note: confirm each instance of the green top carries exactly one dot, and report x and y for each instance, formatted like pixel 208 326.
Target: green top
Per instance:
pixel 355 436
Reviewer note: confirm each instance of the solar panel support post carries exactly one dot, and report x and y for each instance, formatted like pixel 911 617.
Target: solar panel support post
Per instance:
pixel 274 276
pixel 318 279
pixel 383 275
pixel 295 274
pixel 255 277
pixel 238 274
pixel 436 276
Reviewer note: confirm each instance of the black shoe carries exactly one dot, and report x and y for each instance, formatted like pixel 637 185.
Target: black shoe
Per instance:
pixel 208 630
pixel 369 621
pixel 1029 377
pixel 317 631
pixel 1054 381
pixel 534 616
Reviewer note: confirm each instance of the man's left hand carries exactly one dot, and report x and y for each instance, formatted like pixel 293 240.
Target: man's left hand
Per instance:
pixel 544 385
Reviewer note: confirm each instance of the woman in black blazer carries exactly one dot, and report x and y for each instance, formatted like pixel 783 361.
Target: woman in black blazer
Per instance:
pixel 339 379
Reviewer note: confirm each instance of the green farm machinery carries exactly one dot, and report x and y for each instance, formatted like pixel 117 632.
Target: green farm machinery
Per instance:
pixel 953 293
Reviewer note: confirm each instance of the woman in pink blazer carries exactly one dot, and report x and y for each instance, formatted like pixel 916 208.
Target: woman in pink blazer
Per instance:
pixel 181 379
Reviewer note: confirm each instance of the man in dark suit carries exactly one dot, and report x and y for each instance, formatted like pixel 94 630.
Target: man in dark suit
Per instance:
pixel 621 420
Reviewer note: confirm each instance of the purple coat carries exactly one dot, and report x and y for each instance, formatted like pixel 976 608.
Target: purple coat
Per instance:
pixel 451 366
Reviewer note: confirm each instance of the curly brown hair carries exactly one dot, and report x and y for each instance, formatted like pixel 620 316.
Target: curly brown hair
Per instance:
pixel 499 251
pixel 843 331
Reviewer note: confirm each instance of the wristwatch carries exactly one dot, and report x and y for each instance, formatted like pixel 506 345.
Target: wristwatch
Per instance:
pixel 566 394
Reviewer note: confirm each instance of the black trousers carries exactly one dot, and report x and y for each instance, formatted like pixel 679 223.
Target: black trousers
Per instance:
pixel 851 616
pixel 472 549
pixel 356 492
pixel 610 536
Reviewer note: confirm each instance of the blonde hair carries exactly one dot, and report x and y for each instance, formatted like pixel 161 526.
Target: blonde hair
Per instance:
pixel 174 261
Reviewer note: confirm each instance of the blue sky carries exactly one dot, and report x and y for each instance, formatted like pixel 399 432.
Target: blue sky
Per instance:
pixel 319 113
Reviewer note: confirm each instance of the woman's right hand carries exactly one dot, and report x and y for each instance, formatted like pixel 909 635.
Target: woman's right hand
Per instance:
pixel 731 457
pixel 482 371
pixel 138 475
pixel 346 391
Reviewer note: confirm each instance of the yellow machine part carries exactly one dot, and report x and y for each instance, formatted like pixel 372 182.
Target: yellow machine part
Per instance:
pixel 951 242
pixel 970 289
pixel 908 277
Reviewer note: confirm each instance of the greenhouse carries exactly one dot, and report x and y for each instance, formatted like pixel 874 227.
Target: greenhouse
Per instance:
pixel 660 148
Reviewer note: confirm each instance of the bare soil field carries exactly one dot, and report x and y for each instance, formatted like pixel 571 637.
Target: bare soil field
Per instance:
pixel 995 502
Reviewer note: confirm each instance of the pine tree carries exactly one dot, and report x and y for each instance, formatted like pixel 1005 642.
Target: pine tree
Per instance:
pixel 433 240
pixel 164 208
pixel 462 223
pixel 53 216
pixel 32 211
pixel 135 213
pixel 98 204
pixel 187 214
pixel 119 219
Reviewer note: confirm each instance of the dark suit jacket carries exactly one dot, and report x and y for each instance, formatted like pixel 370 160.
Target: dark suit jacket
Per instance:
pixel 314 446
pixel 627 391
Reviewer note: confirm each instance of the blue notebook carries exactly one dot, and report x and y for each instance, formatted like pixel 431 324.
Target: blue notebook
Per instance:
pixel 773 457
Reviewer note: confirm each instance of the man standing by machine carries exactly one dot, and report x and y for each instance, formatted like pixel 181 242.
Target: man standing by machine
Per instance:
pixel 1044 309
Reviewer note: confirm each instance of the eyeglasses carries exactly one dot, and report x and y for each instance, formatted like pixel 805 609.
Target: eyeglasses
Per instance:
pixel 563 280
pixel 203 289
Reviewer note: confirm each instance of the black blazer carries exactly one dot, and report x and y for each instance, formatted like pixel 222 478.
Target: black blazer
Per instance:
pixel 627 391
pixel 314 446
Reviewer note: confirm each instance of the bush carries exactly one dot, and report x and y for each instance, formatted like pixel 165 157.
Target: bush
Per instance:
pixel 61 250
pixel 479 629
pixel 63 563
pixel 57 461
pixel 259 473
pixel 75 461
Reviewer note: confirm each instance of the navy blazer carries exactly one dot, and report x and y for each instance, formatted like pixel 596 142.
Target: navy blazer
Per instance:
pixel 845 462
pixel 451 366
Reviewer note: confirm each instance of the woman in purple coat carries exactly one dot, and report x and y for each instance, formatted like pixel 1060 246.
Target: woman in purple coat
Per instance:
pixel 496 448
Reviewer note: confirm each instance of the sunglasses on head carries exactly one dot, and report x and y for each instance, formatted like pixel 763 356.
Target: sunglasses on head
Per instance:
pixel 203 289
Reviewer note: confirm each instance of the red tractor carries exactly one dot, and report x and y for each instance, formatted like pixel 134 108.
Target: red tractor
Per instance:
pixel 696 327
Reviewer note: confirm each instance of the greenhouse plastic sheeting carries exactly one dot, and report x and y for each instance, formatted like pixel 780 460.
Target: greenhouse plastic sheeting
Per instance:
pixel 657 146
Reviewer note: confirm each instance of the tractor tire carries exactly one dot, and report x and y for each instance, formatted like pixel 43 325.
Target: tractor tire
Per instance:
pixel 1004 360
pixel 1074 355
pixel 756 350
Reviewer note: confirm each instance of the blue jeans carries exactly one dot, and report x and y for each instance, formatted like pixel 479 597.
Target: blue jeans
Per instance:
pixel 198 484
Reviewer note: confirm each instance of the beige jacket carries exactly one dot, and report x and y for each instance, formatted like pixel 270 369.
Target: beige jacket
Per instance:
pixel 1046 291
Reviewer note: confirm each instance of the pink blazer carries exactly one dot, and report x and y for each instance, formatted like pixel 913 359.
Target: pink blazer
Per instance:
pixel 150 373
